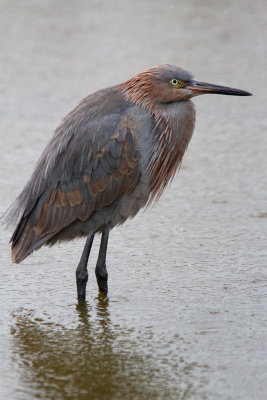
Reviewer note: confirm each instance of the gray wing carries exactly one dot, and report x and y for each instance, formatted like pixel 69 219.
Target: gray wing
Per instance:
pixel 77 175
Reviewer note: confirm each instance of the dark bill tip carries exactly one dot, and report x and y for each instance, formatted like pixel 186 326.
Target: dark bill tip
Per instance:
pixel 203 87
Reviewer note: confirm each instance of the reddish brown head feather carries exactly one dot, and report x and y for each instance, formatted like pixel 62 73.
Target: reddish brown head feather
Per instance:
pixel 151 89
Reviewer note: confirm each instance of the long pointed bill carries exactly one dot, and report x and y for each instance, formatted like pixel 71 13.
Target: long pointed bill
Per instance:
pixel 202 88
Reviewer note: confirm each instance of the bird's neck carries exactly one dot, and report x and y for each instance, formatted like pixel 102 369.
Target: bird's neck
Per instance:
pixel 174 125
pixel 173 128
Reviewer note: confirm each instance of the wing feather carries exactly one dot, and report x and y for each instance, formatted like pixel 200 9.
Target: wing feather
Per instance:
pixel 110 171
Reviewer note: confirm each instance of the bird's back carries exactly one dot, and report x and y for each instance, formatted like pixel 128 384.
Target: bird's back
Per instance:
pixel 91 163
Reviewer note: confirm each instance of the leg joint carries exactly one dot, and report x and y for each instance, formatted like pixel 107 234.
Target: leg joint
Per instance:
pixel 82 275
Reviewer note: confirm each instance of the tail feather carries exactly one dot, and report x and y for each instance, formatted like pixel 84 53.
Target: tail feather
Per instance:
pixel 26 242
pixel 18 231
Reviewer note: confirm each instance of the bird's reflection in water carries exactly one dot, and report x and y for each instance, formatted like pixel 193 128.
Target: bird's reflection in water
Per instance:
pixel 94 360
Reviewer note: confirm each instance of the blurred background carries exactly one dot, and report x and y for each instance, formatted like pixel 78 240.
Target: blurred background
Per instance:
pixel 185 317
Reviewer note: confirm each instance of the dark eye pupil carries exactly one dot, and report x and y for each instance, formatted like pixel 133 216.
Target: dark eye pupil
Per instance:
pixel 174 81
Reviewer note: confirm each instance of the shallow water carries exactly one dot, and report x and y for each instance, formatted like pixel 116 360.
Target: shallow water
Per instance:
pixel 185 317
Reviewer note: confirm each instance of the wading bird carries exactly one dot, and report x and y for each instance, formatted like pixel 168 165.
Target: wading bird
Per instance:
pixel 112 155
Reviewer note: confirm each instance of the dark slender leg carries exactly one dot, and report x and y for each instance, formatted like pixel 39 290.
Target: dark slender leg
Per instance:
pixel 81 271
pixel 101 270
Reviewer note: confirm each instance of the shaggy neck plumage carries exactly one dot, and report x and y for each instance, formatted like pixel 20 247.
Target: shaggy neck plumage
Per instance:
pixel 138 90
pixel 171 134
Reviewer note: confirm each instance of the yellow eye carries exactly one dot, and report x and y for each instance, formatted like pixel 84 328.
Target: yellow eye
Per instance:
pixel 176 82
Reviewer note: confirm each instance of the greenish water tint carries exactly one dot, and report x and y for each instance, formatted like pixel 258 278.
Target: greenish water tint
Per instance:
pixel 95 359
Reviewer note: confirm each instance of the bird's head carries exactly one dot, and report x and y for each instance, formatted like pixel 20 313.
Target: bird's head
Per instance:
pixel 167 84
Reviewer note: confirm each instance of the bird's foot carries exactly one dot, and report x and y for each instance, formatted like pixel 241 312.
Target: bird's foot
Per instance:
pixel 81 281
pixel 102 278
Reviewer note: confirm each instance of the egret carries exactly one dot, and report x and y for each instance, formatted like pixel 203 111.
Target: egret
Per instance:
pixel 112 155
